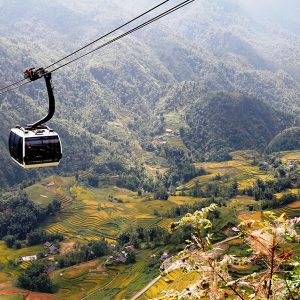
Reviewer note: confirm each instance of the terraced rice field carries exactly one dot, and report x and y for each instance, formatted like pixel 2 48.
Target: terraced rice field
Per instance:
pixel 25 264
pixel 176 280
pixel 91 213
pixel 7 254
pixel 292 210
pixel 76 281
pixel 179 200
pixel 241 203
pixel 289 191
pixel 239 168
pixel 291 156
pixel 166 223
pixel 100 282
pixel 256 215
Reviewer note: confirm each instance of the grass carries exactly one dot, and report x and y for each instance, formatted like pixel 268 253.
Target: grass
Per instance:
pixel 40 194
pixel 8 254
pixel 287 156
pixel 99 282
pixel 175 280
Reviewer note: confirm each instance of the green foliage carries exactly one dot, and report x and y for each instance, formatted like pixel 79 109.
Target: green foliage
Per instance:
pixel 9 240
pixel 35 278
pixel 288 139
pixel 266 191
pixel 214 136
pixel 112 115
pixel 153 237
pixel 93 180
pixel 19 215
pixel 85 253
pixel 38 236
pixel 131 257
pixel 181 210
pixel 53 207
pixel 293 283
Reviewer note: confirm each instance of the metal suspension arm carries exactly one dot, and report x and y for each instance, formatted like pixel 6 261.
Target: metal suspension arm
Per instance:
pixel 51 110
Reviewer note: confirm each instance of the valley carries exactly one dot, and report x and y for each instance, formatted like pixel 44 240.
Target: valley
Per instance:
pixel 198 109
pixel 89 214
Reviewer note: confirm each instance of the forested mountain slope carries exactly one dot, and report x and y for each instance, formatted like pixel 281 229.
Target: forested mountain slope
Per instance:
pixel 113 103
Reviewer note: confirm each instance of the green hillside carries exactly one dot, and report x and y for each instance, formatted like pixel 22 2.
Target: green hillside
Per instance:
pixel 224 122
pixel 121 98
pixel 286 140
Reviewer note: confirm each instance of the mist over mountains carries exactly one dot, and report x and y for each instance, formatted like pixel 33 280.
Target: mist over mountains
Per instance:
pixel 228 71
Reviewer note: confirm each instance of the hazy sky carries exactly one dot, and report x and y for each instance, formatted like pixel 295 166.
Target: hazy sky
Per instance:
pixel 283 9
pixel 284 12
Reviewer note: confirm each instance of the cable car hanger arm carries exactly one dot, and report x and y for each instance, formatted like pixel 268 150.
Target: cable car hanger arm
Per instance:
pixel 34 75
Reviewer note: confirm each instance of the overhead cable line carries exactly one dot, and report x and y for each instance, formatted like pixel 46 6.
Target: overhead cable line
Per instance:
pixel 165 13
pixel 171 10
pixel 109 33
pixel 89 44
pixel 12 84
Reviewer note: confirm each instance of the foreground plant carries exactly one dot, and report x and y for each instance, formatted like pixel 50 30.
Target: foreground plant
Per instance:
pixel 271 240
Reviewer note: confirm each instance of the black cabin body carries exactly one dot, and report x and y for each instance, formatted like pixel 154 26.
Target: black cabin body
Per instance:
pixel 36 148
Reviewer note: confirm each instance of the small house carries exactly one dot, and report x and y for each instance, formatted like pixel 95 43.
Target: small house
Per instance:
pixel 53 250
pixel 47 245
pixel 29 258
pixel 164 256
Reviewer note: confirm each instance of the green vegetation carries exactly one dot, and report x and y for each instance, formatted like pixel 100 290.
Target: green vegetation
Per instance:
pixel 35 278
pixel 213 135
pixel 140 128
pixel 38 236
pixel 91 218
pixel 153 89
pixel 19 216
pixel 286 140
pixel 219 275
pixel 85 253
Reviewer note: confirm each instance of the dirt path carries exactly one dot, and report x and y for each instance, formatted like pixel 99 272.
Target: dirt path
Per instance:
pixel 176 265
pixel 144 290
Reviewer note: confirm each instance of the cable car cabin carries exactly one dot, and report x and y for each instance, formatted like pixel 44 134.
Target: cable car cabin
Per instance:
pixel 35 148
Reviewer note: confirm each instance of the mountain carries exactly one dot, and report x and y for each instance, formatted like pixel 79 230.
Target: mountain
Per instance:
pixel 212 56
pixel 230 121
pixel 288 139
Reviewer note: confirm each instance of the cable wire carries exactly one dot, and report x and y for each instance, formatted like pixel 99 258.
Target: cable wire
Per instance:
pixel 14 88
pixel 173 9
pixel 154 19
pixel 4 88
pixel 89 44
pixel 109 33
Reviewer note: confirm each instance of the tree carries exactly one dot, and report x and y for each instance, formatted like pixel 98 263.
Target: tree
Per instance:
pixel 131 257
pixel 196 191
pixel 99 248
pixel 161 193
pixel 17 245
pixel 93 180
pixel 35 278
pixel 9 240
pixel 270 243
